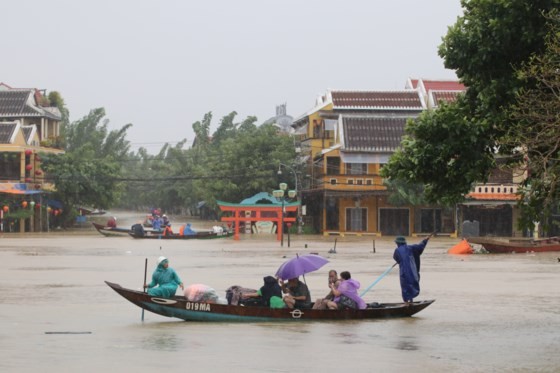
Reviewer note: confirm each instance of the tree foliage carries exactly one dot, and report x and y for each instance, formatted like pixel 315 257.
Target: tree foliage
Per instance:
pixel 455 146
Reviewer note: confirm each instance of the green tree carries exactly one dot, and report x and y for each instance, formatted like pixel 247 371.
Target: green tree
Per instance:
pixel 454 147
pixel 88 173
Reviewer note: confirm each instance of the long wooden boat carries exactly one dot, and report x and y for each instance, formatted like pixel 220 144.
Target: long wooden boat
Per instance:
pixel 203 235
pixel 111 231
pixel 180 307
pixel 499 246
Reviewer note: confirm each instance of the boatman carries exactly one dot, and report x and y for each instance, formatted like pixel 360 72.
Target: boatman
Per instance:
pixel 408 258
pixel 166 278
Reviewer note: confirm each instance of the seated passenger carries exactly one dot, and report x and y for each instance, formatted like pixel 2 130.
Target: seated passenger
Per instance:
pixel 156 223
pixel 270 293
pixel 346 296
pixel 168 231
pixel 164 280
pixel 321 303
pixel 298 294
pixel 188 231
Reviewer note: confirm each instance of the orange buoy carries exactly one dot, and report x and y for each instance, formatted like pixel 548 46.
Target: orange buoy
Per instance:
pixel 461 248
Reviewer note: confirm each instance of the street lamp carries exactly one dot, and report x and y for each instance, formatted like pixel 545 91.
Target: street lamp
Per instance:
pixel 280 194
pixel 297 191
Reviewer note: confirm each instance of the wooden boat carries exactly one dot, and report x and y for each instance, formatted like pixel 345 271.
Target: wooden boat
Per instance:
pixel 111 231
pixel 202 235
pixel 497 246
pixel 181 308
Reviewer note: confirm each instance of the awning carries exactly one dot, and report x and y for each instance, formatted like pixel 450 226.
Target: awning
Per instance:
pixel 17 188
pixel 365 157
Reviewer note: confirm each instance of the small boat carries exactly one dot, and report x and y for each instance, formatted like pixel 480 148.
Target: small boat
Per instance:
pixel 202 235
pixel 499 246
pixel 111 231
pixel 180 307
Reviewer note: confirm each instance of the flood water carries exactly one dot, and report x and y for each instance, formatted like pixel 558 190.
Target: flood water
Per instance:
pixel 492 312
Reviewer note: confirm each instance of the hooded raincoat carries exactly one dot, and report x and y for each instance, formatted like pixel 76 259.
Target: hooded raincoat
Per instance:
pixel 408 257
pixel 167 279
pixel 350 288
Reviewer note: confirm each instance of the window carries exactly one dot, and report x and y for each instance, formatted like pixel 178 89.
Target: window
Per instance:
pixel 350 181
pixel 333 165
pixel 369 181
pixel 356 219
pixel 356 168
pixel 333 181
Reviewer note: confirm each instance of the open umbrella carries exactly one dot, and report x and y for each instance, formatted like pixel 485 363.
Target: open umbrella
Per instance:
pixel 300 265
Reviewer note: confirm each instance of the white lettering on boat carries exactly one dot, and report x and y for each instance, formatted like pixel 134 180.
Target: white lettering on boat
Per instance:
pixel 197 306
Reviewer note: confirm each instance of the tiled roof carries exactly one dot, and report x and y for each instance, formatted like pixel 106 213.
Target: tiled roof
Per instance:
pixel 14 103
pixel 377 100
pixel 443 85
pixel 7 130
pixel 437 97
pixel 373 134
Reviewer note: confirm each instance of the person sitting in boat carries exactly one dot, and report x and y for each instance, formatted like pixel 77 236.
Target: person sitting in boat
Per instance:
pixel 298 294
pixel 321 303
pixel 168 231
pixel 112 222
pixel 346 295
pixel 165 220
pixel 156 223
pixel 164 280
pixel 270 294
pixel 188 231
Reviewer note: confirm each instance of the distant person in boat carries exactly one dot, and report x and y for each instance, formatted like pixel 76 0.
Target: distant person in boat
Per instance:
pixel 321 303
pixel 270 293
pixel 346 295
pixel 112 222
pixel 168 231
pixel 408 258
pixel 298 294
pixel 138 230
pixel 188 231
pixel 157 223
pixel 164 280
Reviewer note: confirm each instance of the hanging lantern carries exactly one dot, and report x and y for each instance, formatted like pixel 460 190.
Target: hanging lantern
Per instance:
pixel 28 179
pixel 49 209
pixel 32 204
pixel 56 212
pixel 38 172
pixel 28 152
pixel 6 208
pixel 24 204
pixel 28 167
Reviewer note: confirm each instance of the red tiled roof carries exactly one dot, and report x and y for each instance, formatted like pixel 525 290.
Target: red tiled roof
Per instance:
pixel 377 100
pixel 443 85
pixel 444 96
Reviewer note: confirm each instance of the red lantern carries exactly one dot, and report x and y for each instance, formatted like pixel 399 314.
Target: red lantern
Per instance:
pixel 38 172
pixel 38 206
pixel 28 179
pixel 6 208
pixel 56 212
pixel 28 167
pixel 28 152
pixel 24 204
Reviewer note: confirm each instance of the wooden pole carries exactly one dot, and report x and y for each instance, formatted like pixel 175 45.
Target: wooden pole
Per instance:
pixel 144 284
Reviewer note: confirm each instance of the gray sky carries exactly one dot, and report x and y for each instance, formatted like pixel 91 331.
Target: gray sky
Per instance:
pixel 161 65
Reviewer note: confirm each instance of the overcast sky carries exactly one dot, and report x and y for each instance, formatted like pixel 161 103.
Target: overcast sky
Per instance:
pixel 161 65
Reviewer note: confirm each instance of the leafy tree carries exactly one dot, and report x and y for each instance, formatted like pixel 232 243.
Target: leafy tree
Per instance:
pixel 454 147
pixel 89 171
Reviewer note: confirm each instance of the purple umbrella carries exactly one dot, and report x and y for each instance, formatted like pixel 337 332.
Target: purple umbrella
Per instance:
pixel 300 265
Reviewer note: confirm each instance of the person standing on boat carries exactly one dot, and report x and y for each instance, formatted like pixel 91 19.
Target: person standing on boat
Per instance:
pixel 164 280
pixel 408 258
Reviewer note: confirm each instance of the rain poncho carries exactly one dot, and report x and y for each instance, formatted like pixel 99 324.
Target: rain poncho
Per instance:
pixel 350 288
pixel 188 231
pixel 167 279
pixel 408 257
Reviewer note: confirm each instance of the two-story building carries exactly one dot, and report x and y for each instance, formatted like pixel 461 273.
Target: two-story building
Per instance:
pixel 28 125
pixel 348 137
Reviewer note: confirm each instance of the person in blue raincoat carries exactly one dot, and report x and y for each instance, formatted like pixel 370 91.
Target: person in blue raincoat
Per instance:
pixel 408 258
pixel 164 280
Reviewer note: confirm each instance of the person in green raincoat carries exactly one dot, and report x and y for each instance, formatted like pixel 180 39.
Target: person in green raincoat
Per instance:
pixel 164 280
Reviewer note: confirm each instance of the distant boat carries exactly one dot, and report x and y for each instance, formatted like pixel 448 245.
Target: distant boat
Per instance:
pixel 502 246
pixel 181 308
pixel 201 235
pixel 111 231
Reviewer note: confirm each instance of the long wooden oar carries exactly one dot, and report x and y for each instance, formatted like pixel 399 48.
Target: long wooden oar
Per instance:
pixel 144 284
pixel 378 279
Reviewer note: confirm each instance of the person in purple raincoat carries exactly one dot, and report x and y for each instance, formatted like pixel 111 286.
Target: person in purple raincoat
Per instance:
pixel 348 288
pixel 408 258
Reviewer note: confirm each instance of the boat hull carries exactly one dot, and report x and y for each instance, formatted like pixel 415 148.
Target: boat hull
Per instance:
pixel 198 236
pixel 497 246
pixel 111 232
pixel 179 307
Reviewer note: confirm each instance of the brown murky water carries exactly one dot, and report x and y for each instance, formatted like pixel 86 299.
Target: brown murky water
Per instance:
pixel 492 312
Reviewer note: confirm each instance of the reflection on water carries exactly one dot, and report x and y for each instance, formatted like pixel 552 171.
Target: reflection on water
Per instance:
pixel 501 309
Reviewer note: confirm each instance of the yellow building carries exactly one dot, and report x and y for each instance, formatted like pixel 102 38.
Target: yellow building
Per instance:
pixel 27 126
pixel 346 139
